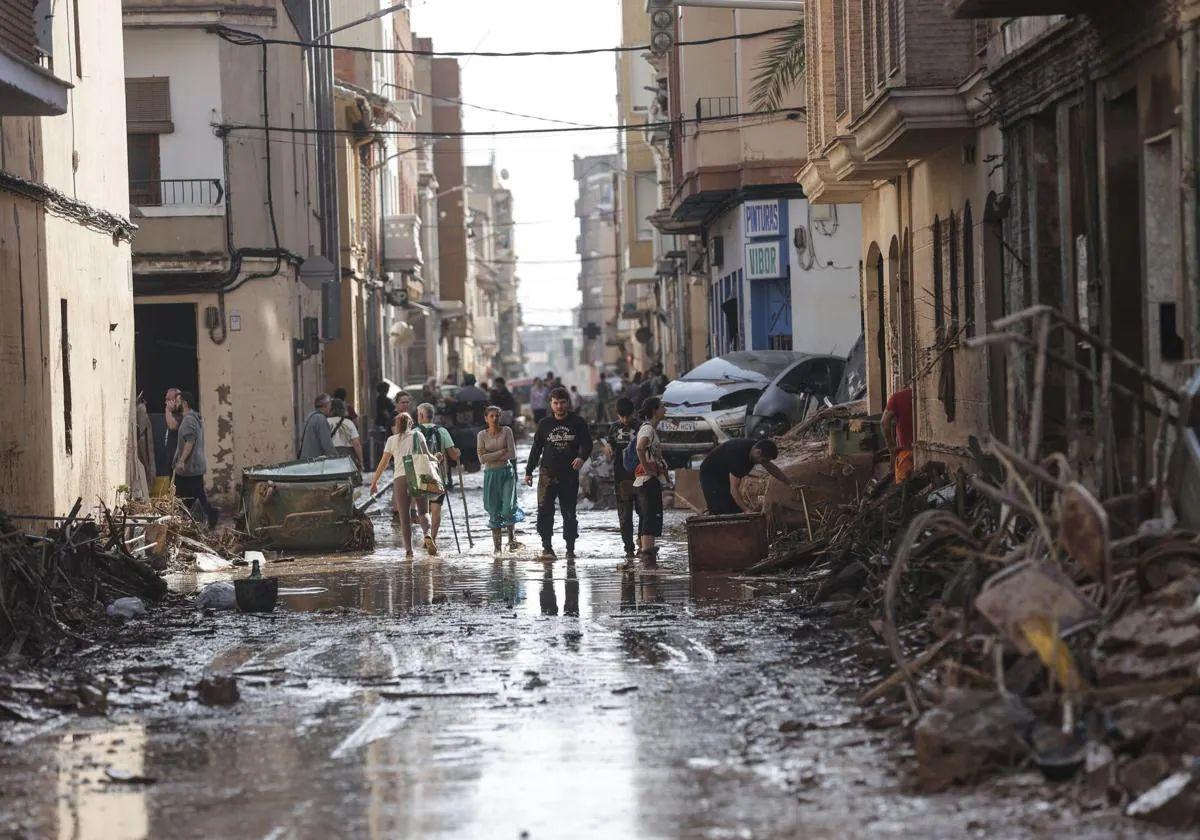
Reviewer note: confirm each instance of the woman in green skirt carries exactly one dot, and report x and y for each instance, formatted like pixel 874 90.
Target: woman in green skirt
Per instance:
pixel 497 450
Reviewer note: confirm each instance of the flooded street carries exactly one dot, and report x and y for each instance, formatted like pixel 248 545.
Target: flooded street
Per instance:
pixel 472 696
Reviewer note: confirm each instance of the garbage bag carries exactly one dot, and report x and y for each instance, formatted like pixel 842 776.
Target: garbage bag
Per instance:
pixel 126 608
pixel 218 595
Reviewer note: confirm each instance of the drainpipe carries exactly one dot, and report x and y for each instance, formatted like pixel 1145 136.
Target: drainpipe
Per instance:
pixel 1189 44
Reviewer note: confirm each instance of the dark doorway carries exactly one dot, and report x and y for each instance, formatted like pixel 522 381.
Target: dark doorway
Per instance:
pixel 165 353
pixel 1123 227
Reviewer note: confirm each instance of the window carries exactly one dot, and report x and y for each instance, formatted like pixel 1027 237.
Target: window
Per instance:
pixel 969 270
pixel 839 56
pixel 939 317
pixel 880 58
pixel 147 115
pixel 145 178
pixel 952 241
pixel 65 349
pixel 893 32
pixel 645 204
pixel 868 12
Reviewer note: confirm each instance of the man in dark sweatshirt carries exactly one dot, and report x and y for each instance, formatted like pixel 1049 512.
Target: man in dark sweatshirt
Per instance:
pixel 562 443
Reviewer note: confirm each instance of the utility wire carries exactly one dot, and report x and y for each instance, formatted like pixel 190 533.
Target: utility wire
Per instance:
pixel 513 131
pixel 243 38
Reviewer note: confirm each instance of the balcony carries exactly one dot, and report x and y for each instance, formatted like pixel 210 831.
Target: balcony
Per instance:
pixel 1019 8
pixel 179 194
pixel 402 243
pixel 715 107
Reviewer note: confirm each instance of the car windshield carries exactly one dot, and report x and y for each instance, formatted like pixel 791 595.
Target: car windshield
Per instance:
pixel 742 367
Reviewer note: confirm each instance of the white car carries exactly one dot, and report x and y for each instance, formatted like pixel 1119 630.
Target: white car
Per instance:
pixel 708 405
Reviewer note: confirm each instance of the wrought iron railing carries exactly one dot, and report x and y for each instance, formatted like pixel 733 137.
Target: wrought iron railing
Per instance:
pixel 177 192
pixel 714 107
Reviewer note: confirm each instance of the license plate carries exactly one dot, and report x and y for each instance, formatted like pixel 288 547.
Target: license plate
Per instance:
pixel 678 426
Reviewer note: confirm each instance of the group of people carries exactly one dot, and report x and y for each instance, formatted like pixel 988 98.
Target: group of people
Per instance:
pixel 331 429
pixel 184 447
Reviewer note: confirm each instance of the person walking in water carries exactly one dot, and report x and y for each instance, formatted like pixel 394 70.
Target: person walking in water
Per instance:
pixel 405 441
pixel 497 451
pixel 539 399
pixel 446 454
pixel 649 477
pixel 561 445
pixel 622 432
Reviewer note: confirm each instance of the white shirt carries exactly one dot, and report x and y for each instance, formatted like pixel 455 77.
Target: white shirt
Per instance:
pixel 406 444
pixel 345 434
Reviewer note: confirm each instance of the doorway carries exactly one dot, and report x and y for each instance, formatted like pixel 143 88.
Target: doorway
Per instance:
pixel 165 356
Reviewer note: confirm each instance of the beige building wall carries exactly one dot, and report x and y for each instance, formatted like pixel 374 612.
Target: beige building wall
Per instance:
pixel 254 387
pixel 46 259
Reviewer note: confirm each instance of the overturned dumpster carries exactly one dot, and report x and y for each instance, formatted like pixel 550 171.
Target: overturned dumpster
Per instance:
pixel 305 506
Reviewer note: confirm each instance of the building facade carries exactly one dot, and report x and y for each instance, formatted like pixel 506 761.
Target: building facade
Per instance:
pixel 227 216
pixel 455 259
pixel 764 271
pixel 601 316
pixel 67 328
pixel 1005 160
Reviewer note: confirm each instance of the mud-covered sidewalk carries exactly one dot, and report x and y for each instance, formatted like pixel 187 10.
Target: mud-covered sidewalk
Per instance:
pixel 468 696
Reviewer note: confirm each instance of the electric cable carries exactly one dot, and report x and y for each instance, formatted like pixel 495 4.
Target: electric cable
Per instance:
pixel 625 127
pixel 243 38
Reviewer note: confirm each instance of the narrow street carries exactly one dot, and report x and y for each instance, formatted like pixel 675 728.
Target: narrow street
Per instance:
pixel 467 696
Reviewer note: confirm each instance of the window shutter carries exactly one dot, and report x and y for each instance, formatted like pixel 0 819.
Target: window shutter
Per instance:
pixel 16 29
pixel 148 105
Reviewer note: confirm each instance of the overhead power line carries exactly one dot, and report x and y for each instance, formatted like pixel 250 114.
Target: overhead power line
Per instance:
pixel 241 36
pixel 512 131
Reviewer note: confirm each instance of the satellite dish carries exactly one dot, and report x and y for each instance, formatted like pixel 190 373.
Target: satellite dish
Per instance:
pixel 643 335
pixel 503 174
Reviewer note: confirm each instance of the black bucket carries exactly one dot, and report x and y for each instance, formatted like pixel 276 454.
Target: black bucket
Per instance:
pixel 256 594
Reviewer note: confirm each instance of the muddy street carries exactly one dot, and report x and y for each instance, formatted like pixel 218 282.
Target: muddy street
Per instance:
pixel 472 696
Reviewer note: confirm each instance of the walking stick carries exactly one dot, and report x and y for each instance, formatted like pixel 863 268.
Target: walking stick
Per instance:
pixel 450 508
pixel 462 491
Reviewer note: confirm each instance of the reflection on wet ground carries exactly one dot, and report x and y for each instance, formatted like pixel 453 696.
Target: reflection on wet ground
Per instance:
pixel 472 696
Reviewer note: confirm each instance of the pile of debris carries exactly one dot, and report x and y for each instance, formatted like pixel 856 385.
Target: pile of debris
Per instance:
pixel 1028 613
pixel 53 586
pixel 170 538
pixel 1027 622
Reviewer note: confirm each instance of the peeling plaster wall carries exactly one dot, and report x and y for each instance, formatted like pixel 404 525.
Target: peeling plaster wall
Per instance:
pixel 44 260
pixel 937 186
pixel 248 384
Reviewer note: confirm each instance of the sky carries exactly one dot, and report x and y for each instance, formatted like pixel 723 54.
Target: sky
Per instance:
pixel 580 89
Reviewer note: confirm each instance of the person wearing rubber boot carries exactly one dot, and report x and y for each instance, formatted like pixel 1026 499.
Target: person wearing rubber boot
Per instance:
pixel 498 453
pixel 561 445
pixel 619 436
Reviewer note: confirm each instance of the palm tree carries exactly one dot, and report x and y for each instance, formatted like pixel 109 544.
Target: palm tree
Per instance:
pixel 779 68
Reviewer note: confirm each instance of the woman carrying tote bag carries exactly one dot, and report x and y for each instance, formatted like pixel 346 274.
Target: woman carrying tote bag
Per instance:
pixel 403 447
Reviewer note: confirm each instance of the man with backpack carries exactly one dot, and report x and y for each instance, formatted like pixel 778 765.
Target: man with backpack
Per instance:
pixel 620 437
pixel 441 445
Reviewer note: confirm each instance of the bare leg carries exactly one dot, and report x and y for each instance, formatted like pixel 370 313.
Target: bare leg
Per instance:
pixel 435 517
pixel 496 539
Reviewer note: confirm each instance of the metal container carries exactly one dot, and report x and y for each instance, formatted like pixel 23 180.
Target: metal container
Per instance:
pixel 302 505
pixel 728 543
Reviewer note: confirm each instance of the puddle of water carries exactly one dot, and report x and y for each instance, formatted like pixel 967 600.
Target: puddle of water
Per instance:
pixel 383 582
